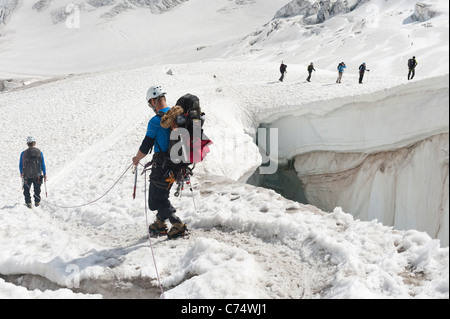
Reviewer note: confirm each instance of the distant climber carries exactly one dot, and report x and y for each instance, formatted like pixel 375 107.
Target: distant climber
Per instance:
pixel 412 63
pixel 340 68
pixel 33 172
pixel 310 70
pixel 283 70
pixel 362 70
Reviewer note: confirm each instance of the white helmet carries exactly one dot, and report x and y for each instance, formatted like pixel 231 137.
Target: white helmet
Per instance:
pixel 30 139
pixel 155 92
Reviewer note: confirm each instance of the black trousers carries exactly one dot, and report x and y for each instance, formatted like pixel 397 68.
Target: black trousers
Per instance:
pixel 158 195
pixel 411 74
pixel 361 76
pixel 36 184
pixel 309 76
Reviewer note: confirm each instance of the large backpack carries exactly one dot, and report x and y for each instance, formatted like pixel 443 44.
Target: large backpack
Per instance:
pixel 188 143
pixel 31 161
pixel 411 63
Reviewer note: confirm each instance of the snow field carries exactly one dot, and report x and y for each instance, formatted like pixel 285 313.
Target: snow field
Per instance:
pixel 88 140
pixel 245 242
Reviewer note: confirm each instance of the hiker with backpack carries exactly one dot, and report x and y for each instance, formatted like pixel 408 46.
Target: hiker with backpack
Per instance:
pixel 340 68
pixel 283 70
pixel 412 63
pixel 310 70
pixel 188 143
pixel 32 171
pixel 157 139
pixel 362 70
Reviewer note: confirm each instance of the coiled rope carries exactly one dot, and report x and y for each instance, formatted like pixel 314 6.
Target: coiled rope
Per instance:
pixel 90 203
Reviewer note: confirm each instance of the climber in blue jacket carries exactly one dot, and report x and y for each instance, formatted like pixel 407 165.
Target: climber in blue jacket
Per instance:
pixel 340 68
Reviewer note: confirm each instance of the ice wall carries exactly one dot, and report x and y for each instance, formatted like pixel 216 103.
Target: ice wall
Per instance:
pixel 386 159
pixel 406 188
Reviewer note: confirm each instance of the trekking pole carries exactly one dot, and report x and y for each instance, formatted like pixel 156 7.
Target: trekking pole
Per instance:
pixel 135 181
pixel 191 187
pixel 45 186
pixel 192 193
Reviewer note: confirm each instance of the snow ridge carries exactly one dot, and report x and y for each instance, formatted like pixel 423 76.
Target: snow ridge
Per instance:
pixel 59 14
pixel 6 9
pixel 156 6
pixel 317 12
pixel 424 12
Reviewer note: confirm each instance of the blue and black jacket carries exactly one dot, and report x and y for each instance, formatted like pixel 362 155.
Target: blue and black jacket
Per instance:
pixel 21 163
pixel 157 136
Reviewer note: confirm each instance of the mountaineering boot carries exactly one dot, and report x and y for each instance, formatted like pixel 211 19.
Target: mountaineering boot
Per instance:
pixel 37 204
pixel 29 205
pixel 177 230
pixel 158 228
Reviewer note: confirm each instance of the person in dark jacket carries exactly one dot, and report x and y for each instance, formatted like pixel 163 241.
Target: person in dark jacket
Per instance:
pixel 310 70
pixel 159 190
pixel 412 63
pixel 32 171
pixel 362 70
pixel 283 70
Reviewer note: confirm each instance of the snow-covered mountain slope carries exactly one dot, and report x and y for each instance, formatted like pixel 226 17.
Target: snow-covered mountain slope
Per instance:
pixel 6 9
pixel 55 37
pixel 371 155
pixel 384 34
pixel 246 242
pixel 314 12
